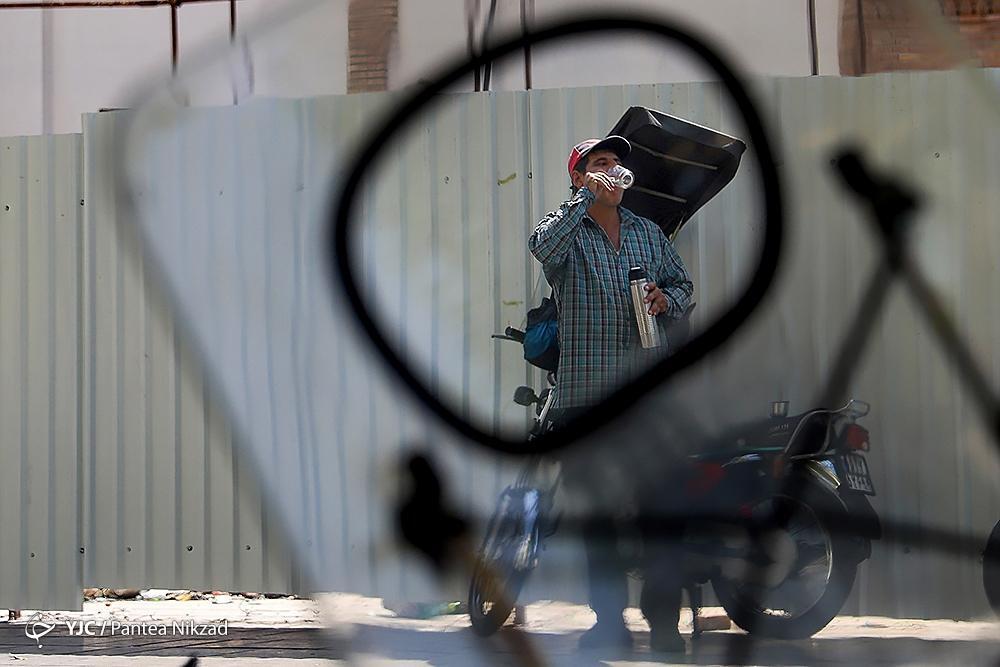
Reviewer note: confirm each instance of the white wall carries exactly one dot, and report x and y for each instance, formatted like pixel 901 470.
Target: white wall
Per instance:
pixel 94 58
pixel 765 38
pixel 87 59
pixel 20 72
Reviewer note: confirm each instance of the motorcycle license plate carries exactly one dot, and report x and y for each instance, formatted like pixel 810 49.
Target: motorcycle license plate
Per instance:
pixel 854 473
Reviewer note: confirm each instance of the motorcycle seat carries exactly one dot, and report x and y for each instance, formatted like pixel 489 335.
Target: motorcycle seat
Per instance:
pixel 809 429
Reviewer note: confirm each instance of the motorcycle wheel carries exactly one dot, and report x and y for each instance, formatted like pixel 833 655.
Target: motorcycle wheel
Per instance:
pixel 496 582
pixel 991 569
pixel 812 574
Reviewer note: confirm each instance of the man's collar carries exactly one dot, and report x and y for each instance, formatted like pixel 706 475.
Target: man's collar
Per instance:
pixel 625 216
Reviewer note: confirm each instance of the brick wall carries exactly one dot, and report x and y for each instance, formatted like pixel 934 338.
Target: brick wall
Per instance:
pixel 888 36
pixel 371 32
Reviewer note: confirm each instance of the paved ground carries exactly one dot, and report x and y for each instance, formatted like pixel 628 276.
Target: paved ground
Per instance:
pixel 344 629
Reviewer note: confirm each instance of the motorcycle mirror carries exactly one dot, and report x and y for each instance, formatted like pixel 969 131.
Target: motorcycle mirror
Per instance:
pixel 856 408
pixel 525 396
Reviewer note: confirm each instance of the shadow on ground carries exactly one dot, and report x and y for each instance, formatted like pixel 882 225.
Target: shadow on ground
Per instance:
pixel 460 648
pixel 454 649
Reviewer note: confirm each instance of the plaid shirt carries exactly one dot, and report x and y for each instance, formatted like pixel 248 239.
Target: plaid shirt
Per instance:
pixel 598 336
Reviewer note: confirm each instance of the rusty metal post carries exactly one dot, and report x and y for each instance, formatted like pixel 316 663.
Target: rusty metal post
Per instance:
pixel 813 46
pixel 527 49
pixel 95 4
pixel 471 12
pixel 84 4
pixel 232 46
pixel 862 38
pixel 173 36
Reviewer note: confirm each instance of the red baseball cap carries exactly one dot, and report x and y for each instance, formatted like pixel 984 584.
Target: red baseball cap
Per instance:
pixel 617 145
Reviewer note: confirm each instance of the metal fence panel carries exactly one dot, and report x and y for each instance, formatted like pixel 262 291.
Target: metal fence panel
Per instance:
pixel 166 505
pixel 154 454
pixel 921 431
pixel 40 215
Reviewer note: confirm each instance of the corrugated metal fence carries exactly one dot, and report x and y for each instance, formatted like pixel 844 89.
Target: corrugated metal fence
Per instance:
pixel 166 505
pixel 40 380
pixel 231 201
pixel 116 470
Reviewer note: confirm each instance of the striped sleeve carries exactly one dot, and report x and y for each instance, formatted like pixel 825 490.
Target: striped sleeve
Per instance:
pixel 553 237
pixel 674 281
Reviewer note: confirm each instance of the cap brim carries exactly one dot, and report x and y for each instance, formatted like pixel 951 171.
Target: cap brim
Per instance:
pixel 617 145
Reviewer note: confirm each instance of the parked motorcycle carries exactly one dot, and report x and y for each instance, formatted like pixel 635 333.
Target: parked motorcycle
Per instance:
pixel 523 518
pixel 788 521
pixel 803 483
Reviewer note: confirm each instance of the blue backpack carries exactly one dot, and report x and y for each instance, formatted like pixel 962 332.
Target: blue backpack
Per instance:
pixel 541 336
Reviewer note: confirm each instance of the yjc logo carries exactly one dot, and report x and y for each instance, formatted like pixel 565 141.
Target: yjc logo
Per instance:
pixel 38 626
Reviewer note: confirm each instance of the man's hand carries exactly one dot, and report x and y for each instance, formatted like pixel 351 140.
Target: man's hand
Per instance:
pixel 597 181
pixel 657 298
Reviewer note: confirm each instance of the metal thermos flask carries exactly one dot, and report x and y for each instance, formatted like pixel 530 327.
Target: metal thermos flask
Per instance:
pixel 649 334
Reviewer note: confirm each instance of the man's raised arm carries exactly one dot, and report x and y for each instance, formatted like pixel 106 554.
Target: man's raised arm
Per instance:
pixel 553 237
